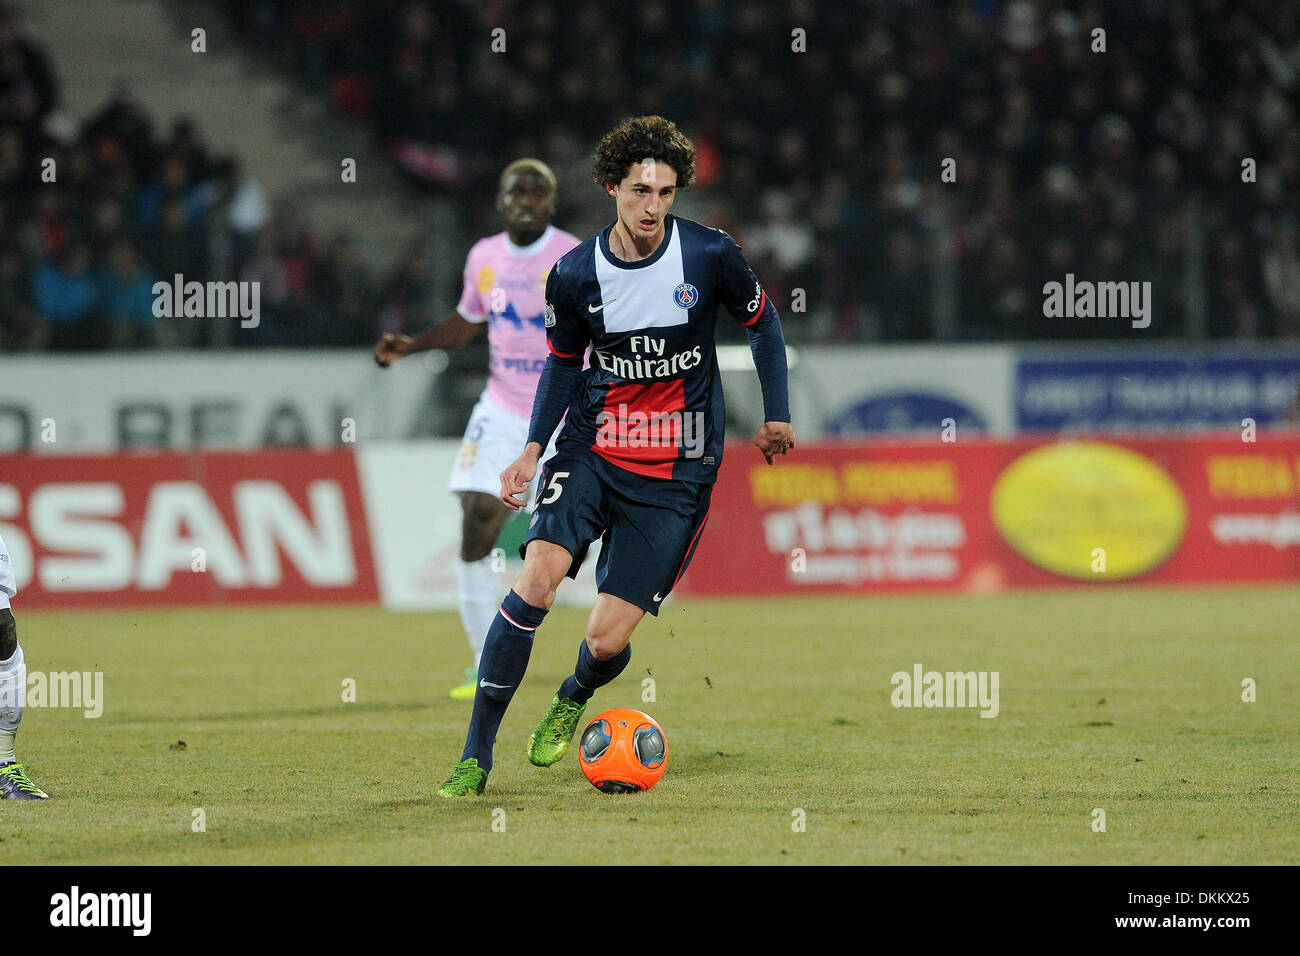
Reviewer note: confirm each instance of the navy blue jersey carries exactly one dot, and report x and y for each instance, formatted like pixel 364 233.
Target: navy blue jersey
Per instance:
pixel 650 399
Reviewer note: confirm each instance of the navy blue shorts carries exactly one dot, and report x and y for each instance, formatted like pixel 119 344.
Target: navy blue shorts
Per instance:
pixel 648 527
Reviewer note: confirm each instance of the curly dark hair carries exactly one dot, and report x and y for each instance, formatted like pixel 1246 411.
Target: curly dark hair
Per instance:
pixel 640 138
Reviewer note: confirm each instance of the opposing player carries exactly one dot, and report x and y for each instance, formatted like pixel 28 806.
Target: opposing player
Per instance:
pixel 14 782
pixel 505 277
pixel 642 443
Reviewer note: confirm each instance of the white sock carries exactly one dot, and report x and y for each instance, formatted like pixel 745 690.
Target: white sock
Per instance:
pixel 13 687
pixel 481 590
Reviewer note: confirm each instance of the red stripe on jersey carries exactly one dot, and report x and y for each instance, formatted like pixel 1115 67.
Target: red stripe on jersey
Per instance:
pixel 557 352
pixel 663 469
pixel 639 427
pixel 761 303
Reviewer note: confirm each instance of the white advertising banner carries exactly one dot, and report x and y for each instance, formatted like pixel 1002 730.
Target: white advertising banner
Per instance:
pixel 415 529
pixel 414 522
pixel 898 390
pixel 89 404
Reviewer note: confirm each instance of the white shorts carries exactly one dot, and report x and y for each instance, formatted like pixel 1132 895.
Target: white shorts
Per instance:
pixel 494 438
pixel 8 586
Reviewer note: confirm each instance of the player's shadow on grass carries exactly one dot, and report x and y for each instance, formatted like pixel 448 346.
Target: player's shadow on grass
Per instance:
pixel 703 764
pixel 325 710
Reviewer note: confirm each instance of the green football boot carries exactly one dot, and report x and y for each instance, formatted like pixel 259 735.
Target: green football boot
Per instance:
pixel 466 690
pixel 466 777
pixel 555 731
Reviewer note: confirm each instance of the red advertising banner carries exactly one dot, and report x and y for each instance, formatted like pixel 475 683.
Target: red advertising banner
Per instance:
pixel 274 526
pixel 974 515
pixel 982 515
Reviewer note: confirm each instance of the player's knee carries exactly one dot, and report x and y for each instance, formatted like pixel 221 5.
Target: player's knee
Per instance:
pixel 8 634
pixel 605 644
pixel 535 589
pixel 545 565
pixel 475 548
pixel 480 525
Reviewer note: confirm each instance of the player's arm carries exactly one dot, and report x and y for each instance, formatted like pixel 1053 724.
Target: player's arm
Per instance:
pixel 451 333
pixel 567 336
pixel 746 300
pixel 554 387
pixel 460 325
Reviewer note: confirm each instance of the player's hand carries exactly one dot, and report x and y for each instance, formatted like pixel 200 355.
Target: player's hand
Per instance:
pixel 774 438
pixel 515 479
pixel 390 348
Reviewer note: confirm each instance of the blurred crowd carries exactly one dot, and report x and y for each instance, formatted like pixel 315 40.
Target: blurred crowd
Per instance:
pixel 822 129
pixel 94 213
pixel 1117 165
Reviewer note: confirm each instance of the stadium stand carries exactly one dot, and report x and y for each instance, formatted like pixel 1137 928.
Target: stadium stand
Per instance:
pixel 1127 161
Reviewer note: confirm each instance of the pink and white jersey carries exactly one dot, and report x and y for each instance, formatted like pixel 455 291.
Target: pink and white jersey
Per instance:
pixel 505 285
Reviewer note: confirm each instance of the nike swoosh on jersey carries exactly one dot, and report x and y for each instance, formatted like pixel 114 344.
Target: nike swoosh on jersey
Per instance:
pixel 597 308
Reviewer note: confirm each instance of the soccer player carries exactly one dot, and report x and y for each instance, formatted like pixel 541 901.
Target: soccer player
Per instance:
pixel 642 443
pixel 14 783
pixel 505 278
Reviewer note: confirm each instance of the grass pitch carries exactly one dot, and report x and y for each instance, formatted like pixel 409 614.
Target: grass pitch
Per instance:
pixel 1128 700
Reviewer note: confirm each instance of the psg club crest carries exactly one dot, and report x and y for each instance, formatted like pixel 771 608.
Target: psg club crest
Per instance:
pixel 550 316
pixel 686 295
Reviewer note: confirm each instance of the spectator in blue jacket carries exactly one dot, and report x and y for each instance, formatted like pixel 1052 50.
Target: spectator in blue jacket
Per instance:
pixel 67 296
pixel 126 288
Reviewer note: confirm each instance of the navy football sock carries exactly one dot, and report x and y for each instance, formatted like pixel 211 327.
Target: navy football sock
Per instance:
pixel 500 670
pixel 592 673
